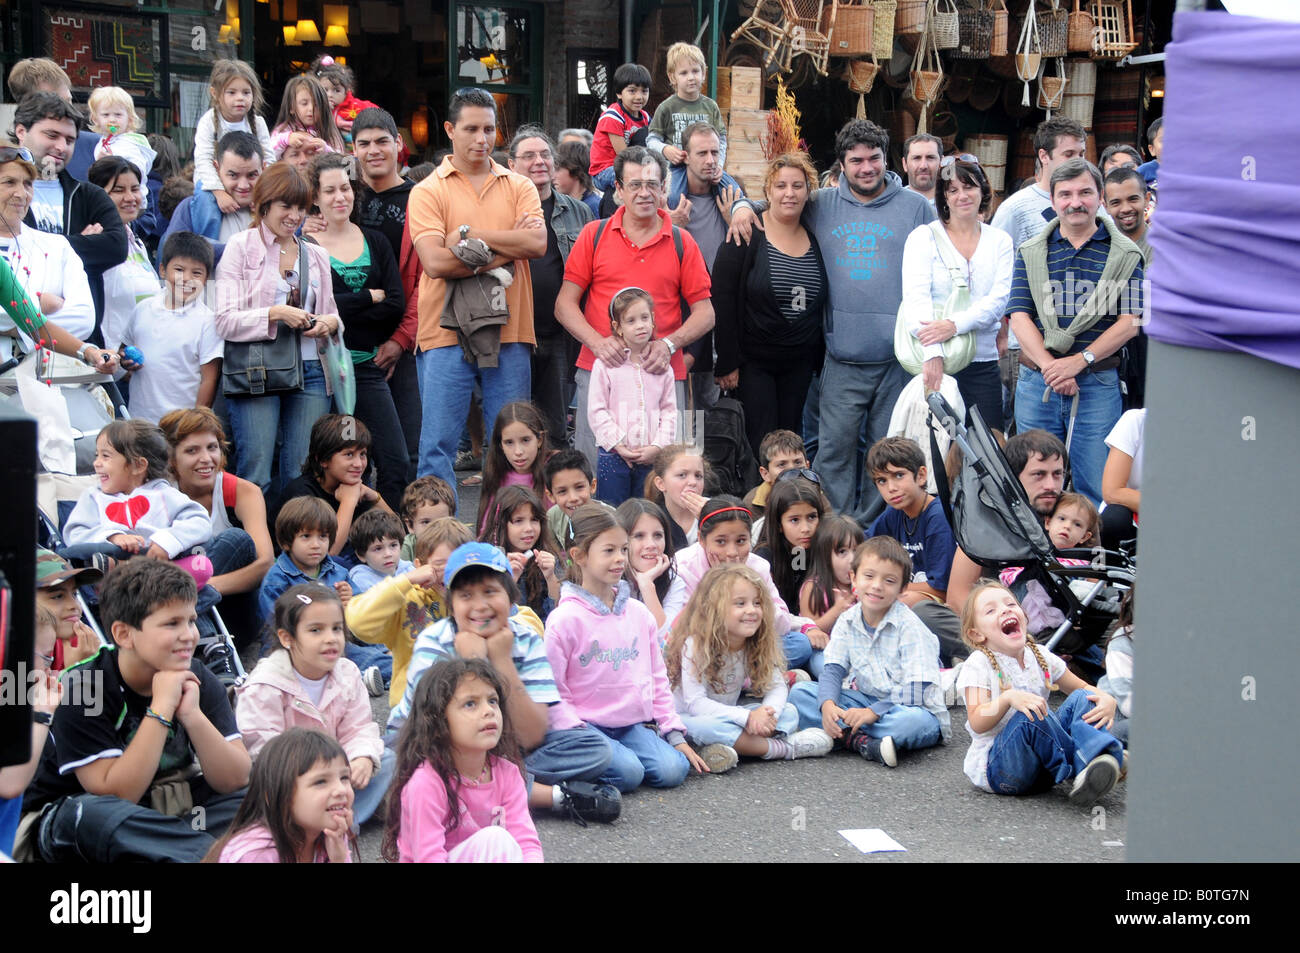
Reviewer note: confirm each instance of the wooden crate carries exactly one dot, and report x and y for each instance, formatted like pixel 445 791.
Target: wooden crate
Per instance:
pixel 723 99
pixel 746 88
pixel 749 173
pixel 746 160
pixel 746 126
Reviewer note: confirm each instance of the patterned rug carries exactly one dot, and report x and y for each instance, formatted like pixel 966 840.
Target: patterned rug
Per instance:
pixel 105 50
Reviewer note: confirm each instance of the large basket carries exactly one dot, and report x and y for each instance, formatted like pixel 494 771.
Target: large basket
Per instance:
pixel 1080 91
pixel 1051 89
pixel 1028 65
pixel 850 28
pixel 909 20
pixel 975 34
pixel 991 150
pixel 861 75
pixel 1053 30
pixel 1114 37
pixel 1082 30
pixel 882 34
pixel 945 24
pixel 925 85
pixel 1001 27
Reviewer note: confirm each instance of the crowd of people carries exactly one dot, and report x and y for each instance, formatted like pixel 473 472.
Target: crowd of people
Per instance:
pixel 620 610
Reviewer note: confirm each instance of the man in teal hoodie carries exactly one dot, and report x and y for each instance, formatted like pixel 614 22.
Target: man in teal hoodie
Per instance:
pixel 861 226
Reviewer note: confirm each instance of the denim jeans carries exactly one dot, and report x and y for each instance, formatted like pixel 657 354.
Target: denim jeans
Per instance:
pixel 798 650
pixel 859 391
pixel 910 727
pixel 376 409
pixel 616 479
pixel 1100 404
pixel 368 799
pixel 229 550
pixel 603 179
pixel 1030 755
pixel 258 422
pixel 573 753
pixel 640 755
pixel 715 729
pixel 446 384
pixel 364 656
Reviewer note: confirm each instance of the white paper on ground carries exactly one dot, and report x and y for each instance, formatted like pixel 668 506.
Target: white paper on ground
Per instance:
pixel 872 840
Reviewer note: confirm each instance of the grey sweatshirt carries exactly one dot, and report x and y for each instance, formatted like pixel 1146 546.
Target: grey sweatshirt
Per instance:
pixel 862 244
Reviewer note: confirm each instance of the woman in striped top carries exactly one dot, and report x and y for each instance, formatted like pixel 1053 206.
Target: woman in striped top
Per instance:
pixel 767 298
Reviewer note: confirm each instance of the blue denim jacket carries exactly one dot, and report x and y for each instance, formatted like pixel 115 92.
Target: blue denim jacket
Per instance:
pixel 677 184
pixel 284 574
pixel 567 219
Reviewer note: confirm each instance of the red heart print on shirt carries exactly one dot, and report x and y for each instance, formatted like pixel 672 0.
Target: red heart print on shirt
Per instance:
pixel 129 513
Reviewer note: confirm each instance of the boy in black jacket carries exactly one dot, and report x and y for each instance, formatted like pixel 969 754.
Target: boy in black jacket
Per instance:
pixel 47 127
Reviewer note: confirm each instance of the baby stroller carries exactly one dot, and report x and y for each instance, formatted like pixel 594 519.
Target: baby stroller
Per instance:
pixel 72 403
pixel 996 526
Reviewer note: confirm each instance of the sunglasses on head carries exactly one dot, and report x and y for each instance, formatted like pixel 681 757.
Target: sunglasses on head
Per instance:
pixel 10 153
pixel 797 473
pixel 964 157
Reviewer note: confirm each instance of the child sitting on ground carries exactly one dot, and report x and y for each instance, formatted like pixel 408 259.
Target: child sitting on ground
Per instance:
pixel 1118 680
pixel 570 483
pixel 304 530
pixel 377 541
pixel 604 651
pixel 399 607
pixel 796 507
pixel 563 755
pixel 726 668
pixel 135 510
pixel 1018 745
pixel 677 485
pixel 519 529
pixel 299 805
pixel 176 332
pixel 913 517
pixel 462 798
pixel 827 591
pixel 892 659
pixel 687 106
pixel 56 593
pixel 307 683
pixel 122 783
pixel 619 121
pixel 778 451
pixel 424 500
pixel 517 456
pixel 651 569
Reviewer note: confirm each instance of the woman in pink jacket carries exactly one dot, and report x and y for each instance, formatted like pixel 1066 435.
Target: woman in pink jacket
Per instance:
pixel 260 295
pixel 309 684
pixel 604 652
pixel 633 414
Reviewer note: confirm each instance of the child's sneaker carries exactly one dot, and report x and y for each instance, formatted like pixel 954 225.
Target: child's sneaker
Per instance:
pixel 1095 780
pixel 585 801
pixel 795 676
pixel 875 749
pixel 719 758
pixel 809 743
pixel 374 680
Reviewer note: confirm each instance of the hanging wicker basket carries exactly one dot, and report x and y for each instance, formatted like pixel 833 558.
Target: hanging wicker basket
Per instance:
pixel 910 18
pixel 1051 89
pixel 1080 91
pixel 926 74
pixel 849 27
pixel 1029 53
pixel 1114 37
pixel 992 152
pixel 882 33
pixel 975 33
pixel 861 75
pixel 1082 29
pixel 998 39
pixel 1053 30
pixel 945 23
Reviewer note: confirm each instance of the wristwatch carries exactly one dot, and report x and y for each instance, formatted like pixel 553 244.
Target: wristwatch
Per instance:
pixel 1089 357
pixel 672 348
pixel 81 351
pixel 464 232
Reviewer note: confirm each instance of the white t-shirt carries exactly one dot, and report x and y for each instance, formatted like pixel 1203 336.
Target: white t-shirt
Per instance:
pixel 976 672
pixel 125 286
pixel 1126 437
pixel 175 344
pixel 314 687
pixel 47 205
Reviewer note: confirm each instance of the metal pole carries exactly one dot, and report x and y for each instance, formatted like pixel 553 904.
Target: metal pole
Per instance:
pixel 629 10
pixel 714 25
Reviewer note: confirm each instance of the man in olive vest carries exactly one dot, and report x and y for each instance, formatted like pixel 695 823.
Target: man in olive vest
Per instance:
pixel 1075 299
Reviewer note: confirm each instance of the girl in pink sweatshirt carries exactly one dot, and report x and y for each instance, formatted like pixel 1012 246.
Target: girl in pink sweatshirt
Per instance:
pixel 298 809
pixel 633 413
pixel 463 798
pixel 604 652
pixel 309 684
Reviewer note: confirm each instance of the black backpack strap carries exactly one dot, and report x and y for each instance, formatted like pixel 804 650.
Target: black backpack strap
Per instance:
pixel 595 239
pixel 677 243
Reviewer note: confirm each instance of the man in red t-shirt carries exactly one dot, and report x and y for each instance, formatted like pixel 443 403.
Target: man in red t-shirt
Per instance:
pixel 636 249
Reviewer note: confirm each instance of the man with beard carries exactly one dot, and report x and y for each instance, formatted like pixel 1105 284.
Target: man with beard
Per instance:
pixel 1075 300
pixel 922 154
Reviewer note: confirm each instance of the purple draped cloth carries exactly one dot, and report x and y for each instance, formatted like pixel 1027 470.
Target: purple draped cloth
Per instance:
pixel 1226 233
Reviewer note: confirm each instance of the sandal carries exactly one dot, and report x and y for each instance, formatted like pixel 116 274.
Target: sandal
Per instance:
pixel 474 479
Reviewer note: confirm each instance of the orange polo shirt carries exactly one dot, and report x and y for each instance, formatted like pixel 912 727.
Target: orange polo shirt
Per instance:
pixel 442 203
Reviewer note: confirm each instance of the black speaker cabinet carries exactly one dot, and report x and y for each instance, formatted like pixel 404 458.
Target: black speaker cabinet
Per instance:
pixel 17 580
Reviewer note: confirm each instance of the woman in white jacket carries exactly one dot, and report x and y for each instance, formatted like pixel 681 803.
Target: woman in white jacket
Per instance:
pixel 959 244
